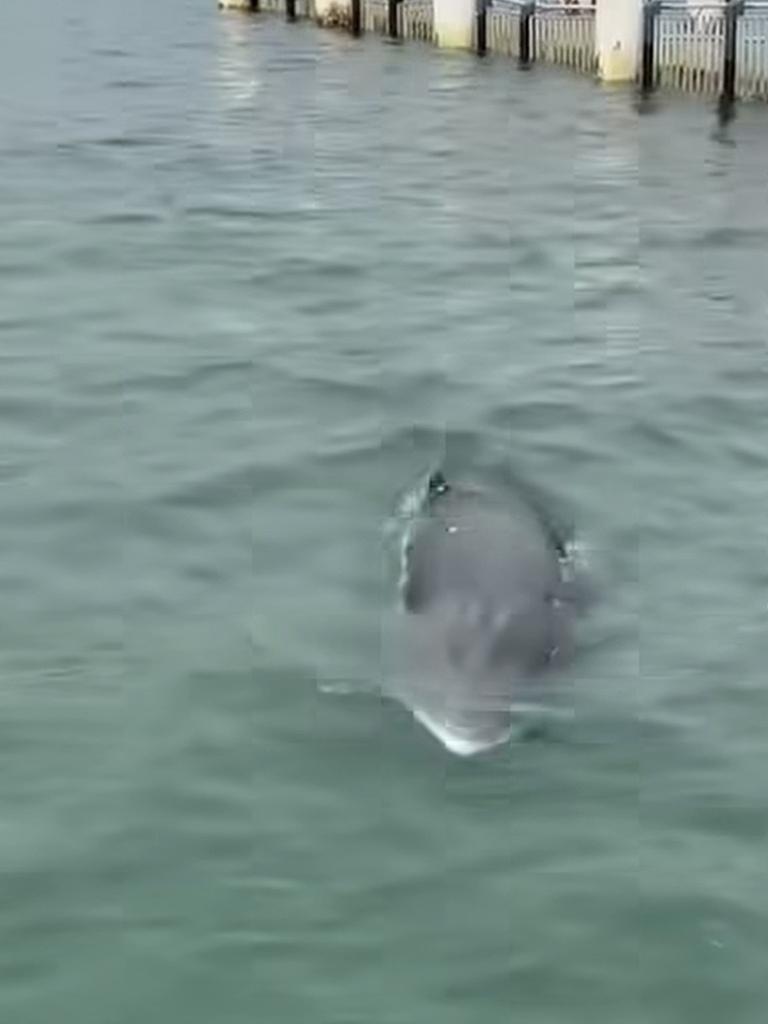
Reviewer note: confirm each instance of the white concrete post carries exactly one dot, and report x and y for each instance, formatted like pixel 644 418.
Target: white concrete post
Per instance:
pixel 235 5
pixel 618 39
pixel 454 23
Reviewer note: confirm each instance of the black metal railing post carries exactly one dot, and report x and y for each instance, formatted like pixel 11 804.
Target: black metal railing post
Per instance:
pixel 527 12
pixel 392 18
pixel 651 9
pixel 290 10
pixel 356 19
pixel 481 27
pixel 733 11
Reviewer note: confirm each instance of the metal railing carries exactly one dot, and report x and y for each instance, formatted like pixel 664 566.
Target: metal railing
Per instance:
pixel 502 28
pixel 558 33
pixel 292 9
pixel 752 53
pixel 375 16
pixel 712 47
pixel 555 31
pixel 400 19
pixel 565 34
pixel 709 48
pixel 416 20
pixel 689 48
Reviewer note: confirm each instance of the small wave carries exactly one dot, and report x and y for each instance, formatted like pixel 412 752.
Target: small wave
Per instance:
pixel 128 141
pixel 246 213
pixel 131 83
pixel 656 435
pixel 238 484
pixel 124 218
pixel 110 51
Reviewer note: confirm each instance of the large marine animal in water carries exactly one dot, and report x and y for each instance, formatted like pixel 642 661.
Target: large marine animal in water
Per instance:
pixel 488 594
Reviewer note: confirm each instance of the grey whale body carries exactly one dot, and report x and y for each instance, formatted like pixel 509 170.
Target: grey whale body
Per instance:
pixel 486 606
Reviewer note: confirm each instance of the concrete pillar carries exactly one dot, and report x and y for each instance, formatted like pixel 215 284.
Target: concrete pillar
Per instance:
pixel 618 39
pixel 235 5
pixel 454 23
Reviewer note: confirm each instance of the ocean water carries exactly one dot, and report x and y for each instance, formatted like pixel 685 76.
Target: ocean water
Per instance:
pixel 253 279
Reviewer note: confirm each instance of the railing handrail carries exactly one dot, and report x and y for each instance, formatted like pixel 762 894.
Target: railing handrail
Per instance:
pixel 585 6
pixel 684 7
